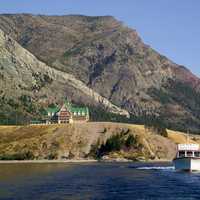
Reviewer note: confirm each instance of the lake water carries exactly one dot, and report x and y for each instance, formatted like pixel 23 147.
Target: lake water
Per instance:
pixel 96 181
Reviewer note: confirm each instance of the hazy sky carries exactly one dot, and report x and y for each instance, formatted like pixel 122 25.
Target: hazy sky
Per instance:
pixel 172 27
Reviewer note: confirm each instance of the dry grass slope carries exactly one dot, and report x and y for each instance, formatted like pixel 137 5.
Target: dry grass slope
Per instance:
pixel 74 141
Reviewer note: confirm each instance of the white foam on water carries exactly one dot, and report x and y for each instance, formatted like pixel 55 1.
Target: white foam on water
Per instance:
pixel 156 168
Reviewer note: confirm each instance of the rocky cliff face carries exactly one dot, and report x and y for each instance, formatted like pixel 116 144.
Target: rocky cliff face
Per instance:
pixel 26 80
pixel 112 60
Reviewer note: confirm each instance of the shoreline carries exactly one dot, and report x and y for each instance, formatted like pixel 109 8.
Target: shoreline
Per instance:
pixel 76 161
pixel 46 161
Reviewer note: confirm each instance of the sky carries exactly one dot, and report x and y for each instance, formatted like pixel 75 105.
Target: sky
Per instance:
pixel 172 27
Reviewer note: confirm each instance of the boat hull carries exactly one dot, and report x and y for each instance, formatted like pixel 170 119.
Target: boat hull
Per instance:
pixel 187 164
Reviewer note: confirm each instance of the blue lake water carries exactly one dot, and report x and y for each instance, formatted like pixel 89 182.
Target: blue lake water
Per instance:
pixel 96 181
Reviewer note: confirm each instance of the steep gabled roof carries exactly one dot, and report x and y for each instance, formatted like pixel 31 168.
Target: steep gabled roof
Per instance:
pixel 68 104
pixel 70 108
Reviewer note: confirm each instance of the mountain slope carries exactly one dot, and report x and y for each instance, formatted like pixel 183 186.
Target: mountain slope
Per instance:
pixel 111 59
pixel 27 82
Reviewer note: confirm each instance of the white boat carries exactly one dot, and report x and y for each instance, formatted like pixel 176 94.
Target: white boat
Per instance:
pixel 187 158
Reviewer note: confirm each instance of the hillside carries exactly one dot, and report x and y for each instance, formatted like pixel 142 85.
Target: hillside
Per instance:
pixel 113 61
pixel 27 84
pixel 81 141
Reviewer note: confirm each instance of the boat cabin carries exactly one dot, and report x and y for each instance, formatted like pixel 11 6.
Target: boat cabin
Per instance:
pixel 188 150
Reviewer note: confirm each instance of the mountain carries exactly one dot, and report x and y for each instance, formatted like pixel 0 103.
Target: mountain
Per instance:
pixel 112 60
pixel 27 84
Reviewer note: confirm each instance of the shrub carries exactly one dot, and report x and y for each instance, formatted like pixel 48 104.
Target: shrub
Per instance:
pixel 27 155
pixel 131 141
pixel 114 143
pixel 52 156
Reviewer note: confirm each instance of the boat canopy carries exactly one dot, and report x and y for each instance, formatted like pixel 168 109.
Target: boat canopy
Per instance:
pixel 188 147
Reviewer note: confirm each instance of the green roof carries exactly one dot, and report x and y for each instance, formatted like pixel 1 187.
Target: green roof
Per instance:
pixel 52 109
pixel 70 107
pixel 80 109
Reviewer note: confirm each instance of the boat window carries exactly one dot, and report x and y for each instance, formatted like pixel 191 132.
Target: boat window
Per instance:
pixel 197 154
pixel 181 153
pixel 189 153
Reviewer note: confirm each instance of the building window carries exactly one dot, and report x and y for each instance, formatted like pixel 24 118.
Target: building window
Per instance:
pixel 79 113
pixel 74 113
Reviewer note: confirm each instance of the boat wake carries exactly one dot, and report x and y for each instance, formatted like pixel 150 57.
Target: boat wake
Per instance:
pixel 156 168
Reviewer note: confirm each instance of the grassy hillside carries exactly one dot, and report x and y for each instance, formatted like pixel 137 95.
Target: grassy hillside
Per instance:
pixel 92 140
